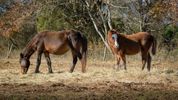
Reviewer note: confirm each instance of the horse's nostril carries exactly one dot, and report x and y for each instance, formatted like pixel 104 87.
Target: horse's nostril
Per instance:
pixel 116 46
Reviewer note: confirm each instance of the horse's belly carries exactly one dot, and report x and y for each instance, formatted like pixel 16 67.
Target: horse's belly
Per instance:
pixel 57 49
pixel 61 50
pixel 133 50
pixel 132 53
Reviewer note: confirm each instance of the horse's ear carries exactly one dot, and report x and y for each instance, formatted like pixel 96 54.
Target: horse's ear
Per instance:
pixel 68 37
pixel 21 55
pixel 113 31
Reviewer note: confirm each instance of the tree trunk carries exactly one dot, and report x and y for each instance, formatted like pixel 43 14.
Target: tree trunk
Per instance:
pixel 95 26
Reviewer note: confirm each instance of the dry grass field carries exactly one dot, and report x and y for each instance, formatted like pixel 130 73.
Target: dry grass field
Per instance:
pixel 100 81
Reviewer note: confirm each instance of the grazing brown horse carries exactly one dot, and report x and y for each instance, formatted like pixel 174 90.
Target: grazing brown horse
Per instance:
pixel 122 45
pixel 56 43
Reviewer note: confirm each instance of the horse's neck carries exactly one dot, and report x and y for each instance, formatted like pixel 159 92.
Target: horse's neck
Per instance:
pixel 28 51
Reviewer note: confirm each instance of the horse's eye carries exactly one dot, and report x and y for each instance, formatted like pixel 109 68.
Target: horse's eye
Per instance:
pixel 114 36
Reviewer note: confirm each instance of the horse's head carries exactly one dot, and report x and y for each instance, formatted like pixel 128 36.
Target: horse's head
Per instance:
pixel 115 38
pixel 24 63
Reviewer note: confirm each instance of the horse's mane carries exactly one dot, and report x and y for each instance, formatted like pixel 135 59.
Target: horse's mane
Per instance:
pixel 31 47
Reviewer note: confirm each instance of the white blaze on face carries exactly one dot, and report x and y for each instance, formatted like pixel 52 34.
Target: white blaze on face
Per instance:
pixel 116 44
pixel 115 38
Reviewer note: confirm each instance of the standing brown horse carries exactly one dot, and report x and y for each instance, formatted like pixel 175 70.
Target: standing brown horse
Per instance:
pixel 56 43
pixel 122 45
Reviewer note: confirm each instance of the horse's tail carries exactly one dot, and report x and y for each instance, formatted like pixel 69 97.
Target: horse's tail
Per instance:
pixel 84 53
pixel 154 45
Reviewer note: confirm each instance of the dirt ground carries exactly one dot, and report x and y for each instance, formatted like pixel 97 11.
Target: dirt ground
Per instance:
pixel 100 81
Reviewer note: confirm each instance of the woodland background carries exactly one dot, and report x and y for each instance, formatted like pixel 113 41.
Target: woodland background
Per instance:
pixel 20 20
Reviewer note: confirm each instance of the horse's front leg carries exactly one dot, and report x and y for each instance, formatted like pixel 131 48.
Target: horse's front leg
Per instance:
pixel 121 57
pixel 118 62
pixel 74 55
pixel 38 62
pixel 48 60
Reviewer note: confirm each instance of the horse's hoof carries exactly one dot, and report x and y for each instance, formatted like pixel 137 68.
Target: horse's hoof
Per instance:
pixel 37 72
pixel 84 71
pixel 23 73
pixel 50 72
pixel 116 68
pixel 70 71
pixel 113 67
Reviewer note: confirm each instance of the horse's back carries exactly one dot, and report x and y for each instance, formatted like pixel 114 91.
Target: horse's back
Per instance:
pixel 145 38
pixel 136 42
pixel 138 36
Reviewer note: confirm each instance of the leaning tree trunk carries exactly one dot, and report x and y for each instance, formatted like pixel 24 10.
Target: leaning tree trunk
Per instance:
pixel 95 26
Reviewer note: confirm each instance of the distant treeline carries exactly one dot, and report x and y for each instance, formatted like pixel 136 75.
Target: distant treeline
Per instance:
pixel 20 20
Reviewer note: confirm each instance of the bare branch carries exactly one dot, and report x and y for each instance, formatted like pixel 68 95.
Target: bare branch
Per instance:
pixel 95 26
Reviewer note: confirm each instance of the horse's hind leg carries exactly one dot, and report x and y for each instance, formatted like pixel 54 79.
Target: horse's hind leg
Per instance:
pixel 38 62
pixel 149 62
pixel 48 60
pixel 124 61
pixel 74 55
pixel 144 60
pixel 83 61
